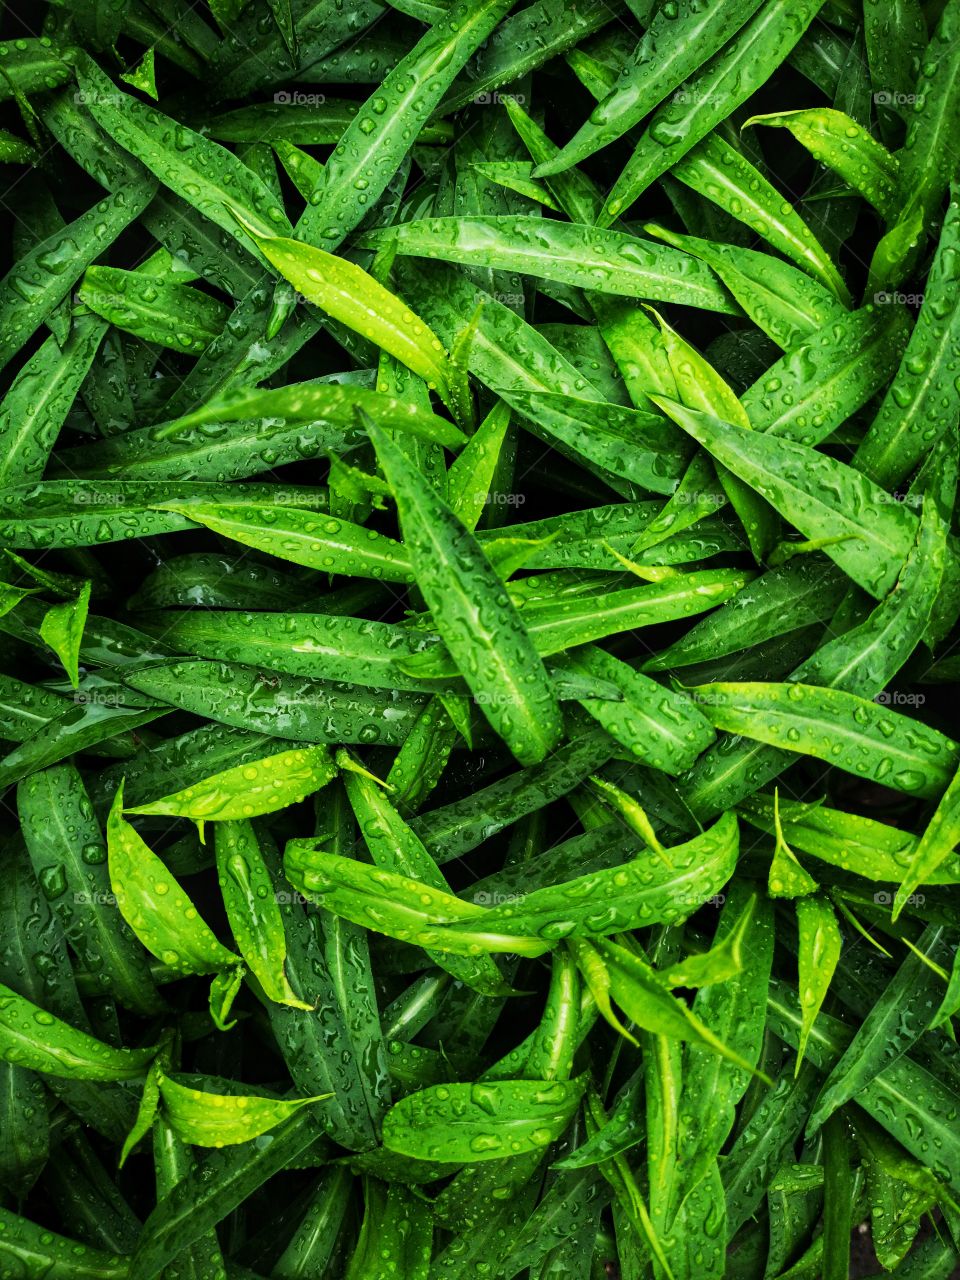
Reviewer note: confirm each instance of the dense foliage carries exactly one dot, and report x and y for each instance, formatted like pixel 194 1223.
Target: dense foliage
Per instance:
pixel 478 632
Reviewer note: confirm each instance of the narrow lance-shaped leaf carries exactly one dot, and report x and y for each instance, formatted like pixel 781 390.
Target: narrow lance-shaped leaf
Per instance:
pixel 817 958
pixel 723 174
pixel 845 147
pixel 606 261
pixel 30 1037
pixel 840 728
pixel 154 905
pixel 891 1027
pixel 248 790
pixel 725 82
pixel 674 45
pixel 304 537
pixel 824 498
pixel 473 614
pixel 473 1122
pixel 355 299
pixel 252 909
pixel 936 846
pixel 394 845
pixel 924 394
pixel 375 142
pixel 62 629
pixel 203 173
pixel 221 1120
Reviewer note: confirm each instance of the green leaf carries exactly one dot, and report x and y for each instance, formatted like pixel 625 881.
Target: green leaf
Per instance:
pixel 248 790
pixel 817 958
pixel 468 1123
pixel 374 144
pixel 845 147
pixel 209 1119
pixel 822 497
pixel 32 1038
pixel 840 728
pixel 477 621
pixel 155 906
pixel 674 46
pixel 723 84
pixel 353 298
pixel 252 909
pixel 62 629
pixel 607 261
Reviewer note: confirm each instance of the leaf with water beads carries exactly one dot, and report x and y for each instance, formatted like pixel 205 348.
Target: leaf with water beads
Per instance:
pixel 355 299
pixel 924 393
pixel 42 278
pixel 396 847
pixel 195 168
pixel 822 381
pixel 249 790
pixel 155 906
pixel 935 847
pixel 845 147
pixel 327 647
pixel 69 856
pixel 62 630
pixel 252 910
pixel 304 537
pixel 726 81
pixel 717 170
pixel 39 399
pixel 660 727
pixel 606 261
pixel 217 1120
pixel 173 315
pixel 839 728
pixel 822 497
pixel 87 513
pixel 36 1251
pixel 312 402
pixel 784 303
pixel 374 144
pixel 661 886
pixel 674 46
pixel 891 1027
pixel 297 709
pixel 466 1123
pixel 473 614
pixel 925 171
pixel 398 905
pixel 32 1038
